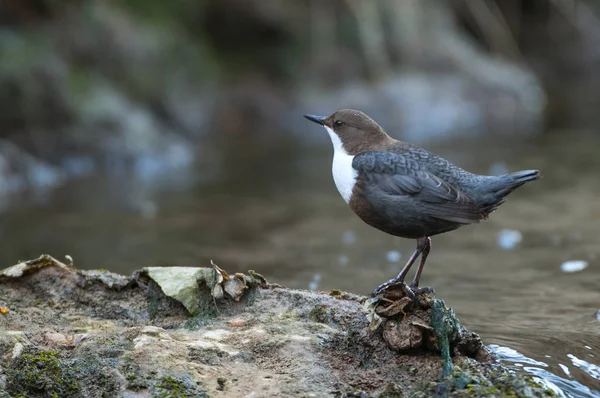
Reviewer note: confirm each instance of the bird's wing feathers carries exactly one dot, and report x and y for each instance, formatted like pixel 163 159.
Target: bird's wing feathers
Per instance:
pixel 395 174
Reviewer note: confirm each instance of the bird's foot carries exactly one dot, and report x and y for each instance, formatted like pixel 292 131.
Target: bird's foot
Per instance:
pixel 394 285
pixel 421 290
pixel 384 286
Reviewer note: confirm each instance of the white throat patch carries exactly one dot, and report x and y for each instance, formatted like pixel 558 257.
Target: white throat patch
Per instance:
pixel 344 175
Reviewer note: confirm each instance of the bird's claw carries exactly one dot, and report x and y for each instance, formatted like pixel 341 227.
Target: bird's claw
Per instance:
pixel 408 292
pixel 421 290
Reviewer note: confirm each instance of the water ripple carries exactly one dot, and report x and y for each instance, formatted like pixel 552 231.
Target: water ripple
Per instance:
pixel 562 387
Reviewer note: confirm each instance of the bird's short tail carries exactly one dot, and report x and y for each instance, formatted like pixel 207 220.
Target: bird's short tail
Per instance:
pixel 503 185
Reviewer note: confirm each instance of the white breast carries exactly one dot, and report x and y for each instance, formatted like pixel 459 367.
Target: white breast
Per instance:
pixel 343 173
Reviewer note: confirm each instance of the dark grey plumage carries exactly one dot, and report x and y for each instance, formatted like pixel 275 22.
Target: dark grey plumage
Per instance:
pixel 413 193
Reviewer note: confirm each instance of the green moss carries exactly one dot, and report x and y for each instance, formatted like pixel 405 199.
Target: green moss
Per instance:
pixel 335 293
pixel 222 384
pixel 135 383
pixel 289 315
pixel 172 387
pixel 318 313
pixel 462 380
pixel 442 321
pixel 468 379
pixel 41 371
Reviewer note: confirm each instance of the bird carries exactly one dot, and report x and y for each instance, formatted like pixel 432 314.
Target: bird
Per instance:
pixel 407 191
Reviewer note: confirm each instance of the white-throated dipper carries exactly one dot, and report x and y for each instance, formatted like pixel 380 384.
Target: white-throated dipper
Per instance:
pixel 405 190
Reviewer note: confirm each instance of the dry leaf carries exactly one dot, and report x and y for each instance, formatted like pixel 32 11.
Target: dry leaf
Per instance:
pixel 217 291
pixel 221 274
pixel 235 287
pixel 396 307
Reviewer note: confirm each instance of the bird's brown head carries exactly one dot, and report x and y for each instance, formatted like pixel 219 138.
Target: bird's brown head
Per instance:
pixel 352 130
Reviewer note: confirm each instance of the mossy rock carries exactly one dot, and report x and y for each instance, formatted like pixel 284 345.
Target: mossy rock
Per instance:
pixel 39 373
pixel 173 387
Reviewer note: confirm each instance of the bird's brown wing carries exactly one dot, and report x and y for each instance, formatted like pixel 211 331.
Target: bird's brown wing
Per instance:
pixel 394 174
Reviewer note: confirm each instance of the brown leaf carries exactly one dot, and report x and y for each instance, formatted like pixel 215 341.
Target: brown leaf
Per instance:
pixel 396 307
pixel 221 274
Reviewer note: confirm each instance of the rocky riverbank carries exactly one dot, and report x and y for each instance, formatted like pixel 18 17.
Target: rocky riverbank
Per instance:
pixel 189 332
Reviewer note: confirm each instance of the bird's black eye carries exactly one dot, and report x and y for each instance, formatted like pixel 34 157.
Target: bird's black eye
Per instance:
pixel 338 123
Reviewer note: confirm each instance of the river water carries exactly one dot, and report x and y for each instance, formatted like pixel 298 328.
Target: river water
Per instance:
pixel 274 208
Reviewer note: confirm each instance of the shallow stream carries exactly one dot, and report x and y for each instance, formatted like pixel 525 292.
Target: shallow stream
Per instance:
pixel 274 209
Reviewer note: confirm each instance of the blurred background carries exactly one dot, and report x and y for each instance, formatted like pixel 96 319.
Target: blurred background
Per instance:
pixel 143 132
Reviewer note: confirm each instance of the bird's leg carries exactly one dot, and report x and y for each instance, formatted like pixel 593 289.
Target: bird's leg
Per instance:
pixel 400 278
pixel 426 241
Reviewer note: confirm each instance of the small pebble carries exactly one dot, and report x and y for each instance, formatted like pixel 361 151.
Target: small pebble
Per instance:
pixel 237 322
pixel 574 266
pixel 55 338
pixel 509 239
pixel 17 350
pixel 393 256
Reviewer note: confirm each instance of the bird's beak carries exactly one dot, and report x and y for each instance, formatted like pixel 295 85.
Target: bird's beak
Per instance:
pixel 317 119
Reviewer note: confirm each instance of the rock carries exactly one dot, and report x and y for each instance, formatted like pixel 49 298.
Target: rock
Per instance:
pixel 272 341
pixel 181 283
pixel 19 269
pixel 17 351
pixel 59 338
pixel 55 338
pixel 186 284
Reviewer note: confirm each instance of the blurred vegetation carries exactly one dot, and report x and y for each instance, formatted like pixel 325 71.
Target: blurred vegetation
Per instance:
pixel 78 76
